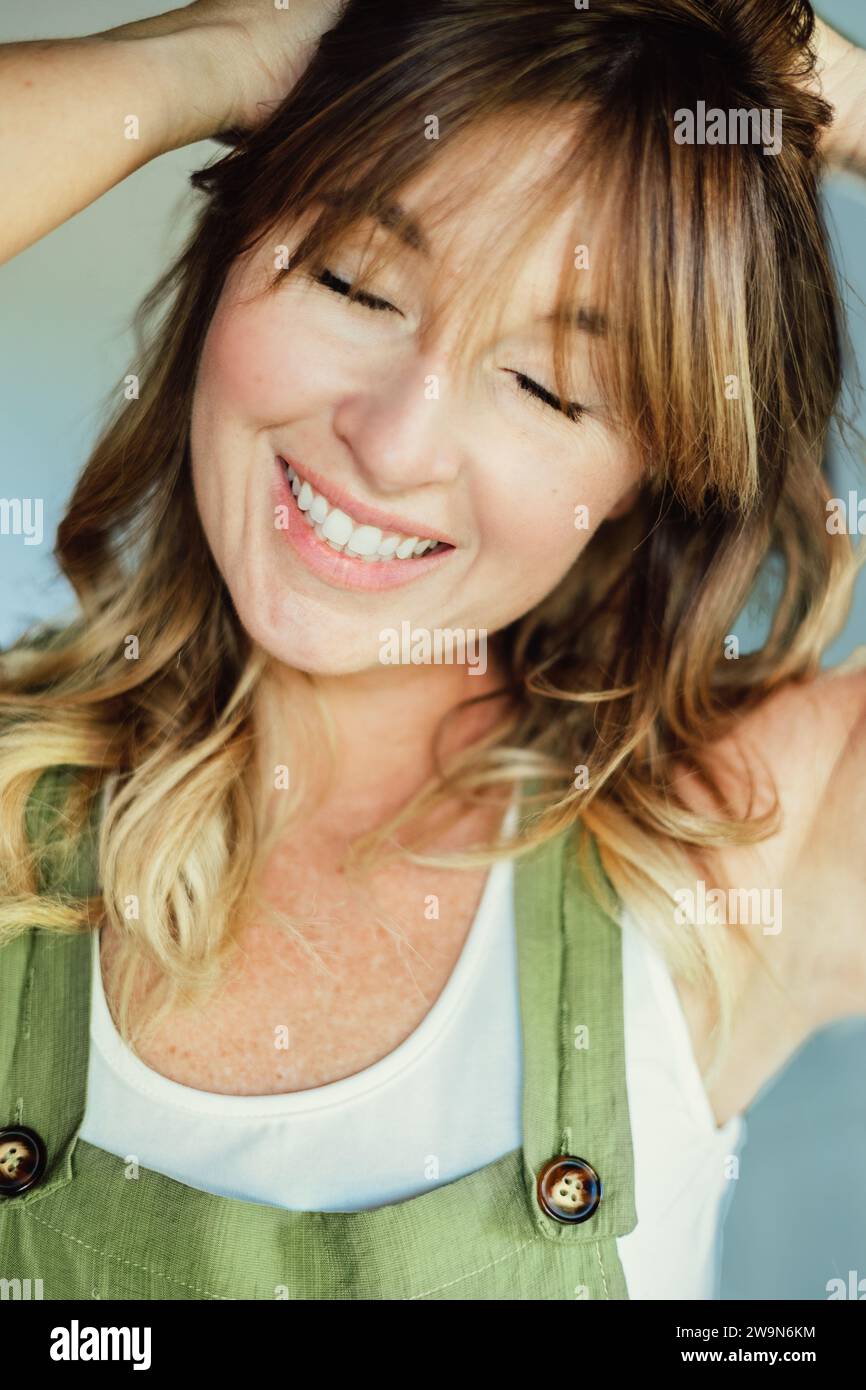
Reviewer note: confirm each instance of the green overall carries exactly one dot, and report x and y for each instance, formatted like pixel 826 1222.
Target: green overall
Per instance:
pixel 89 1229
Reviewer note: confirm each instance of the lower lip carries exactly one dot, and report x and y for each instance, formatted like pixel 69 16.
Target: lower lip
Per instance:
pixel 334 566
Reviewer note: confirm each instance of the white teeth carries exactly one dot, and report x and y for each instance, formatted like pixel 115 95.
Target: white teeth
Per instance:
pixel 343 534
pixel 336 527
pixel 364 540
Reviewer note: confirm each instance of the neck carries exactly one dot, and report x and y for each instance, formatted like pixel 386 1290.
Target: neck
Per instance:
pixel 384 721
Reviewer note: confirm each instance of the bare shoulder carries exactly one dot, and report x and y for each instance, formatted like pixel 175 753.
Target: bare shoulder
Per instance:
pixel 805 745
pixel 789 746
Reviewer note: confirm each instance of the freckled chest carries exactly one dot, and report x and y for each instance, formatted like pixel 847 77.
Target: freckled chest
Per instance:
pixel 356 978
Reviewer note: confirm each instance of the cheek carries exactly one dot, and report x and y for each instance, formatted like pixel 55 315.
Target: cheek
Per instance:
pixel 258 370
pixel 554 501
pixel 258 366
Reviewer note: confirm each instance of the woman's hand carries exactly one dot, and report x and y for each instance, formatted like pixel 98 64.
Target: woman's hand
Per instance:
pixel 79 115
pixel 272 47
pixel 257 51
pixel 841 81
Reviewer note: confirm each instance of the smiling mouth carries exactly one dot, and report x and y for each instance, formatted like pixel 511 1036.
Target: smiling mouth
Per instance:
pixel 355 539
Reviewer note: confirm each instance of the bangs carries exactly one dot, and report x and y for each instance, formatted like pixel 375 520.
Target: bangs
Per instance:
pixel 368 212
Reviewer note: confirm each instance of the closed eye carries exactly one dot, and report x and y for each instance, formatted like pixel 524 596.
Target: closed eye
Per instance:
pixel 343 287
pixel 572 409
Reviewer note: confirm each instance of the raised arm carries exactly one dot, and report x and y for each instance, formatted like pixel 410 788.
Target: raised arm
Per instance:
pixel 841 72
pixel 78 115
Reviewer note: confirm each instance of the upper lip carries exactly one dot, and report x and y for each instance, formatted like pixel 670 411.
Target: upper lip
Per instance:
pixel 359 511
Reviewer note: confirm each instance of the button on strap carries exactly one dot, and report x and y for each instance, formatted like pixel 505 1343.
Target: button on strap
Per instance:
pixel 22 1159
pixel 568 1189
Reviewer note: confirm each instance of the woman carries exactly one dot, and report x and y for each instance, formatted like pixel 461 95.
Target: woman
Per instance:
pixel 387 577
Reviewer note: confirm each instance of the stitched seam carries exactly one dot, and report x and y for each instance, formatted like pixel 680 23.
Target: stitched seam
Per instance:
pixel 27 1006
pixel 601 1267
pixel 196 1288
pixel 563 1060
pixel 472 1272
pixel 145 1268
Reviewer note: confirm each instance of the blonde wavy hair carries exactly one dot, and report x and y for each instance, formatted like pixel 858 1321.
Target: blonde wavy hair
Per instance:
pixel 621 669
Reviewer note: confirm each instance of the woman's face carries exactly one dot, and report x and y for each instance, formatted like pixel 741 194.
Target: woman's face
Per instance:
pixel 366 406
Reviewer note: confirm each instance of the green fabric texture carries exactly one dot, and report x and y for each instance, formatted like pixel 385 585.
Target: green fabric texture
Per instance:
pixel 93 1229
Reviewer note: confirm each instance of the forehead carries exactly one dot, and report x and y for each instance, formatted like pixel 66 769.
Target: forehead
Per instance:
pixel 480 178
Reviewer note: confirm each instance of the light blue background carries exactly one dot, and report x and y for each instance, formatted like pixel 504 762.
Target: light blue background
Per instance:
pixel 798 1211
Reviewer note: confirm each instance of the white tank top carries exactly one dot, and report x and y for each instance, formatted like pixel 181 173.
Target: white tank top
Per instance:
pixel 421 1116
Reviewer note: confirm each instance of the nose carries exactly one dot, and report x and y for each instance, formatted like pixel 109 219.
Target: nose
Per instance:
pixel 401 430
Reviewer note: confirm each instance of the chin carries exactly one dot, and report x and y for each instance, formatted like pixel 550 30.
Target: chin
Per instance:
pixel 317 654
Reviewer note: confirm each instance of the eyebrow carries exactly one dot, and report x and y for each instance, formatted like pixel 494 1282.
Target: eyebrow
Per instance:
pixel 588 320
pixel 394 218
pixel 389 215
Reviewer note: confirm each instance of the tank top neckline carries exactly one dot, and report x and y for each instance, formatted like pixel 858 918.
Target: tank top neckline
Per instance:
pixel 134 1071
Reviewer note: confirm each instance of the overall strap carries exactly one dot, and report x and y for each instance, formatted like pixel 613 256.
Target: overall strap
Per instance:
pixel 574 1090
pixel 45 999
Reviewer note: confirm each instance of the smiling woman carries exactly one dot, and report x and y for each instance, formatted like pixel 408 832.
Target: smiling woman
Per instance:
pixel 465 341
pixel 372 402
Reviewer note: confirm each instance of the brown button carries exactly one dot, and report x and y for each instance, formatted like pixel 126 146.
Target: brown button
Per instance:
pixel 22 1160
pixel 568 1189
